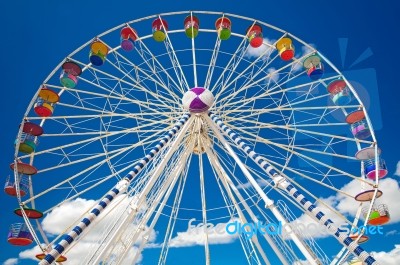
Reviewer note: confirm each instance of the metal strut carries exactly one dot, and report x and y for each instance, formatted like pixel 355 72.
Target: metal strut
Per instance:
pixel 268 202
pixel 106 200
pixel 285 185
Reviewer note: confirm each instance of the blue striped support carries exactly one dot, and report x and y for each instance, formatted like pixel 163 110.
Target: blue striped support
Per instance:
pixel 91 216
pixel 292 191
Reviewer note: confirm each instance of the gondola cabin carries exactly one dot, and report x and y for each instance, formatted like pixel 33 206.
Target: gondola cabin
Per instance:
pixel 44 106
pixel 339 92
pixel 202 142
pixel 23 168
pixel 368 153
pixel 314 66
pixel 191 26
pixel 379 215
pixel 368 156
pixel 72 68
pixel 358 124
pixel 285 48
pixel 10 187
pixel 59 259
pixel 98 53
pixel 255 36
pixel 30 213
pixel 368 195
pixel 128 38
pixel 68 80
pixel 371 170
pixel 362 239
pixel 69 74
pixel 159 27
pixel 223 26
pixel 19 235
pixel 28 140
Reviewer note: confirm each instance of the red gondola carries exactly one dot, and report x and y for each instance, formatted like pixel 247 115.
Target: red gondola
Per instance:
pixel 19 235
pixel 255 36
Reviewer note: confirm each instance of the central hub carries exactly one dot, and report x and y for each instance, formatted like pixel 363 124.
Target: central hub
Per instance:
pixel 198 100
pixel 198 139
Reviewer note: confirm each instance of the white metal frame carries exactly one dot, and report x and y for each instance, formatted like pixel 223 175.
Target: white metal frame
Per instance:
pixel 153 91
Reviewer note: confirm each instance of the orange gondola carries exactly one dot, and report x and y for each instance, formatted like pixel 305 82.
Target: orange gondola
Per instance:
pixel 44 106
pixel 285 48
pixel 59 259
pixel 98 53
pixel 362 239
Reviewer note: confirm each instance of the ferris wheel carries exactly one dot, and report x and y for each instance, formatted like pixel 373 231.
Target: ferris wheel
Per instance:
pixel 201 118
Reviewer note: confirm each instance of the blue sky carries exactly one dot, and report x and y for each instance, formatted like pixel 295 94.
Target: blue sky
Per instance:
pixel 38 35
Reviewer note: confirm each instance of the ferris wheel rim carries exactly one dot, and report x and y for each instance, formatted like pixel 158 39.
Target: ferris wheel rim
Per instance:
pixel 181 31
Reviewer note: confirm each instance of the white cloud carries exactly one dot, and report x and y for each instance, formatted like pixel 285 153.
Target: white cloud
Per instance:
pixel 274 76
pixel 298 65
pixel 397 173
pixel 76 255
pixel 30 253
pixel 260 181
pixel 131 255
pixel 391 193
pixel 345 204
pixel 12 261
pixel 311 228
pixel 61 218
pixel 263 49
pixel 388 258
pixel 307 49
pixel 349 206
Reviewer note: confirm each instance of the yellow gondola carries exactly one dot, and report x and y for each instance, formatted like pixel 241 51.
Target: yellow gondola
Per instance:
pixel 98 53
pixel 285 48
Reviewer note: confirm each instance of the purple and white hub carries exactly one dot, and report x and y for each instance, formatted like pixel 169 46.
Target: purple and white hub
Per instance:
pixel 198 100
